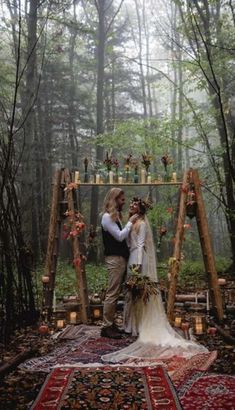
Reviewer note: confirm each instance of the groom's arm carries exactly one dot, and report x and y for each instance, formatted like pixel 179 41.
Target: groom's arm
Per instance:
pixel 110 226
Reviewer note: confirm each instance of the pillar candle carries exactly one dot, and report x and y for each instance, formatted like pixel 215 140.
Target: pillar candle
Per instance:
pixel 111 177
pixel 97 178
pixel 73 317
pixel 120 180
pixel 174 177
pixel 149 180
pixel 77 177
pixel 142 176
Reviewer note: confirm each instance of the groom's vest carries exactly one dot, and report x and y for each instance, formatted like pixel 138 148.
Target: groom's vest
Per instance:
pixel 112 247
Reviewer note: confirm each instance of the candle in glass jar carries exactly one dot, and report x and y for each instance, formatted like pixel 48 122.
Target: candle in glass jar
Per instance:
pixel 60 323
pixel 199 329
pixel 111 177
pixel 178 321
pixel 73 317
pixel 142 176
pixel 77 177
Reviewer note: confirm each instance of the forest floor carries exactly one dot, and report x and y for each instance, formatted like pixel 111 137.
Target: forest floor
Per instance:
pixel 19 388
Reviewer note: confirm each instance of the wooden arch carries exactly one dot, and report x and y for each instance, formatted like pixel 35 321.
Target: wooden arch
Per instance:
pixel 63 179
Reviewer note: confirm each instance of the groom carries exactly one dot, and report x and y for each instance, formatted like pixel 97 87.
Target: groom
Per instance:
pixel 116 256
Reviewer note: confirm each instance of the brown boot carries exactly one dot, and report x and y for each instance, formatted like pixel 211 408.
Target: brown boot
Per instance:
pixel 110 332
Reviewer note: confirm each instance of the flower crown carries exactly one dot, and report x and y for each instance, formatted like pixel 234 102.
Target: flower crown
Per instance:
pixel 144 205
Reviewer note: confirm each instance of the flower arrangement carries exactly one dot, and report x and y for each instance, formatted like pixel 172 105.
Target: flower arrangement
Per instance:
pixel 166 160
pixel 128 160
pixel 140 286
pixel 108 161
pixel 146 161
pixel 74 224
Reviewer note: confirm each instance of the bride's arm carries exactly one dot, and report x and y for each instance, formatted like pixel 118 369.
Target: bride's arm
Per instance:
pixel 140 243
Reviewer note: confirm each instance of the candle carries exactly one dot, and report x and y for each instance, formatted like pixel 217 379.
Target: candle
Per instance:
pixel 196 299
pixel 92 179
pixel 178 321
pixel 60 323
pixel 207 301
pixel 149 180
pixel 199 329
pixel 142 176
pixel 73 317
pixel 120 180
pixel 96 313
pixel 111 177
pixel 222 281
pixel 97 178
pixel 174 177
pixel 77 177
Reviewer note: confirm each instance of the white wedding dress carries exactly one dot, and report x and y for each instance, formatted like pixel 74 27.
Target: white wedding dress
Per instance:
pixel 157 339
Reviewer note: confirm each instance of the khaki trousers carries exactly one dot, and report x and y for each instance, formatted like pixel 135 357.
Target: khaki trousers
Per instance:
pixel 116 266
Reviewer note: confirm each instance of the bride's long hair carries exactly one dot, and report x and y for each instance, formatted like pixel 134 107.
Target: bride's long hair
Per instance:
pixel 110 203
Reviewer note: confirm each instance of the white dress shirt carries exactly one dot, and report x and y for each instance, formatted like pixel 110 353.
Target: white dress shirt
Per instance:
pixel 110 226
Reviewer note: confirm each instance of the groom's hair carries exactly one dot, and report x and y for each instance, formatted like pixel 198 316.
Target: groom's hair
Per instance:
pixel 110 202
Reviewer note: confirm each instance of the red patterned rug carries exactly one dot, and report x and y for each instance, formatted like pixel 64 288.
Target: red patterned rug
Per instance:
pixel 207 391
pixel 83 345
pixel 109 388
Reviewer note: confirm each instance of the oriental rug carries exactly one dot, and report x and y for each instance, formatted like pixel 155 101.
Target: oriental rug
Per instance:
pixel 207 391
pixel 88 347
pixel 109 388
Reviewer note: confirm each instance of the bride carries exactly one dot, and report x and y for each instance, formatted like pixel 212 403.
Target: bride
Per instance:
pixel 156 338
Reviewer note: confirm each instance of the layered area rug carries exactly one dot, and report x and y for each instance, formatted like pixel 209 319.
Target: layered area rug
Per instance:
pixel 207 391
pixel 109 388
pixel 83 345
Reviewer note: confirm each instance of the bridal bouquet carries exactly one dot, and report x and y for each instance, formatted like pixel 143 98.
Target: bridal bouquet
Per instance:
pixel 140 286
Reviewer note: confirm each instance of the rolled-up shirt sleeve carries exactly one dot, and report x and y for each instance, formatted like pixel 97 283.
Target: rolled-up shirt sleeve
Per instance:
pixel 140 243
pixel 110 226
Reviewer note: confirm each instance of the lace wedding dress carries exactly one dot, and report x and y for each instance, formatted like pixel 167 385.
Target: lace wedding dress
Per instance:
pixel 157 339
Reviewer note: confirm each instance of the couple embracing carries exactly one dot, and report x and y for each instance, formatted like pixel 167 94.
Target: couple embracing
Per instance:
pixel 124 247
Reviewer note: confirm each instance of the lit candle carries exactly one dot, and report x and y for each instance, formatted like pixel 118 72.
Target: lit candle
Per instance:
pixel 149 180
pixel 120 180
pixel 199 329
pixel 77 177
pixel 142 176
pixel 111 177
pixel 73 317
pixel 97 178
pixel 96 313
pixel 60 323
pixel 174 177
pixel 178 321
